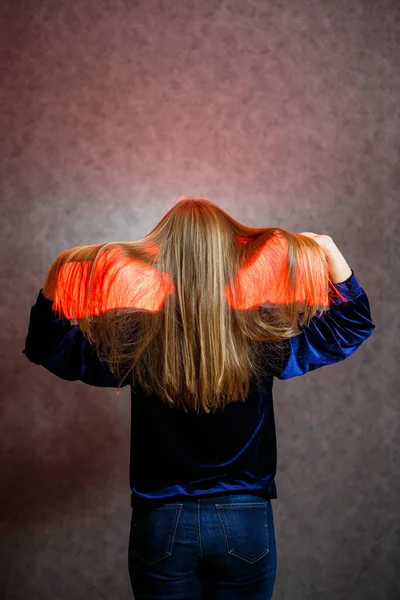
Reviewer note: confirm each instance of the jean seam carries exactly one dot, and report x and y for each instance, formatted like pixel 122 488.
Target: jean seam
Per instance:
pixel 223 528
pixel 179 508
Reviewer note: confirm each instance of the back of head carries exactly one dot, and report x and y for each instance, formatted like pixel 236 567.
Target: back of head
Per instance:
pixel 208 320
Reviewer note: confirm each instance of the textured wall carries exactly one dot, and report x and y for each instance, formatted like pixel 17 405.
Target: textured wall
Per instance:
pixel 285 114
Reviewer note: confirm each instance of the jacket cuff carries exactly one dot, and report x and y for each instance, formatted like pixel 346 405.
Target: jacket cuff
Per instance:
pixel 350 288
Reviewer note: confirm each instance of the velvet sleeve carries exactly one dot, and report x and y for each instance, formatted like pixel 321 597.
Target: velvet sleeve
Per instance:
pixel 61 348
pixel 332 337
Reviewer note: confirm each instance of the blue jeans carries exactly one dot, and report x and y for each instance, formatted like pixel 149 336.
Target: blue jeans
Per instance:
pixel 220 548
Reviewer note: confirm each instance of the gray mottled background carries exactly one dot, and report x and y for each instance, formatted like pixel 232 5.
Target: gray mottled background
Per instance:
pixel 285 114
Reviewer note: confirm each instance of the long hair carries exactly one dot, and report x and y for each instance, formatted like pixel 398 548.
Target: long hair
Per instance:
pixel 197 307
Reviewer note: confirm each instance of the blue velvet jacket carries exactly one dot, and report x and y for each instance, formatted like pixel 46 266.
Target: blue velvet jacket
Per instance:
pixel 177 455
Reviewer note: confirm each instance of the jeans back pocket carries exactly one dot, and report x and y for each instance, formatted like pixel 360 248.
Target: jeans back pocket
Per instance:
pixel 245 527
pixel 153 532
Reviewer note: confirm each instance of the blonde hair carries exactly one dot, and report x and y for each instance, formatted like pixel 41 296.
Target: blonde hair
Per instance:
pixel 197 307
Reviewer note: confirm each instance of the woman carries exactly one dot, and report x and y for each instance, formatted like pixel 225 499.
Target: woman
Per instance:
pixel 198 317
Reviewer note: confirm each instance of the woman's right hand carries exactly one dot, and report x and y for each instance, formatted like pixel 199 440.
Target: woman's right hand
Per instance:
pixel 325 241
pixel 338 266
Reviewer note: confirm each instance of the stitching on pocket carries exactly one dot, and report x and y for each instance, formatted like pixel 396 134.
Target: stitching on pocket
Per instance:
pixel 223 513
pixel 150 560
